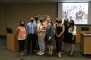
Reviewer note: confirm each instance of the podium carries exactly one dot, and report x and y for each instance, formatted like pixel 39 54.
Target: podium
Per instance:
pixel 85 42
pixel 12 42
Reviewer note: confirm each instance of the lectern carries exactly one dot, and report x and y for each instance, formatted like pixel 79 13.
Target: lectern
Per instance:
pixel 85 42
pixel 12 42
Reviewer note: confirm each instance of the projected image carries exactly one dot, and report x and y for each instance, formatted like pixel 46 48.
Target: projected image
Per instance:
pixel 76 11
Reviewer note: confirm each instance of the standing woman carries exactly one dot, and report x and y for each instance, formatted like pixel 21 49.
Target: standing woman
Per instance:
pixel 72 35
pixel 55 24
pixel 66 45
pixel 60 36
pixel 21 36
pixel 50 37
pixel 41 37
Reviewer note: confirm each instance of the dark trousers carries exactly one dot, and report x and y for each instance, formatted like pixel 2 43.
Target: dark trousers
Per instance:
pixel 59 43
pixel 56 43
pixel 21 45
pixel 31 40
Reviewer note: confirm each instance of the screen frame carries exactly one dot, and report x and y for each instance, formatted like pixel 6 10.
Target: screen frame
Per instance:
pixel 60 15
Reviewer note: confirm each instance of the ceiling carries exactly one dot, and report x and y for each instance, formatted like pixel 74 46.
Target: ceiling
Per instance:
pixel 36 1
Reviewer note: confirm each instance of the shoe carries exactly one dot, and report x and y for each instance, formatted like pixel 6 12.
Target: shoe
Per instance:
pixel 38 52
pixel 41 53
pixel 50 53
pixel 21 54
pixel 59 55
pixel 71 53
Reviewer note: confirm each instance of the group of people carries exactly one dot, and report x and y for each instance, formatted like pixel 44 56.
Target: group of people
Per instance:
pixel 45 34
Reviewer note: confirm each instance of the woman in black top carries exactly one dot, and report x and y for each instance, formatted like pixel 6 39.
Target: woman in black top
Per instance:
pixel 60 36
pixel 66 24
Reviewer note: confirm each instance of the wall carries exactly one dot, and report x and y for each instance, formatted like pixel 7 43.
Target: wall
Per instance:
pixel 13 13
pixel 2 19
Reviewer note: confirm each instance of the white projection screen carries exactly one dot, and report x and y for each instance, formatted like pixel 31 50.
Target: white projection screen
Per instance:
pixel 75 11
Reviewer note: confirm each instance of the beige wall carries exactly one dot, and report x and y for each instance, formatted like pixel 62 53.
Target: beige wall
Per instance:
pixel 2 19
pixel 13 13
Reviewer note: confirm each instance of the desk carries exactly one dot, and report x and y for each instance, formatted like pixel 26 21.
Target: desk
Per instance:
pixel 85 42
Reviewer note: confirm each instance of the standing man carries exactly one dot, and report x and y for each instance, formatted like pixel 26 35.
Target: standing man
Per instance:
pixel 31 35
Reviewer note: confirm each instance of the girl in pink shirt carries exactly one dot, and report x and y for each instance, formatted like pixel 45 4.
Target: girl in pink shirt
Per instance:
pixel 21 36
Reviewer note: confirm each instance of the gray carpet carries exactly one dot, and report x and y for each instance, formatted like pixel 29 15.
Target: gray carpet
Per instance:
pixel 8 55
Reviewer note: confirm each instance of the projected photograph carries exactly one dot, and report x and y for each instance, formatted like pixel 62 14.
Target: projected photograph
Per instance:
pixel 76 11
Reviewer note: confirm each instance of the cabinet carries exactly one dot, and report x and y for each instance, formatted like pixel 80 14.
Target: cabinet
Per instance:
pixel 12 42
pixel 85 42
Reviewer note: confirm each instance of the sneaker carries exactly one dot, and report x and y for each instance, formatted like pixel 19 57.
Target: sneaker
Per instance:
pixel 59 55
pixel 38 52
pixel 71 54
pixel 21 54
pixel 41 54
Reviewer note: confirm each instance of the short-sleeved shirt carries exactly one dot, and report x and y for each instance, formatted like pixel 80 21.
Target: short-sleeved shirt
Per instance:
pixel 72 31
pixel 41 27
pixel 21 33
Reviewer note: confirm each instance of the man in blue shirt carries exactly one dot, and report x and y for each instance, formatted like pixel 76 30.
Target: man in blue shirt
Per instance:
pixel 31 30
